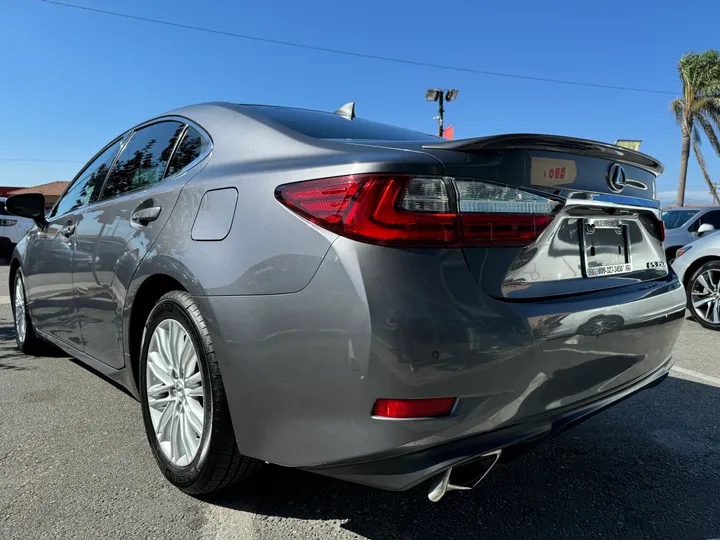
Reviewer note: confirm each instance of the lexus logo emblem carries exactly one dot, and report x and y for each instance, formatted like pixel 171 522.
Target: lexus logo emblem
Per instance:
pixel 616 177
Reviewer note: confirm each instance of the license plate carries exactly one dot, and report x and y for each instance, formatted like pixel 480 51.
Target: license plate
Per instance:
pixel 597 271
pixel 605 247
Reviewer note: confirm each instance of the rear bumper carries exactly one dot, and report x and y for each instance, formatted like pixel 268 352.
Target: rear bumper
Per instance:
pixel 302 371
pixel 397 472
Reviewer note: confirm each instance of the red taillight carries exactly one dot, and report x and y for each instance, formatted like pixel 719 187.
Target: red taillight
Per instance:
pixel 321 201
pixel 413 408
pixel 662 230
pixel 502 229
pixel 417 211
pixel 368 208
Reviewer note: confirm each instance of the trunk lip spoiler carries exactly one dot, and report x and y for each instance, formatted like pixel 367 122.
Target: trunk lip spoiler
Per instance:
pixel 553 143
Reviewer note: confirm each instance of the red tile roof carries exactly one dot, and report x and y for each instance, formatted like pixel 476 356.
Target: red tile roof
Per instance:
pixel 52 189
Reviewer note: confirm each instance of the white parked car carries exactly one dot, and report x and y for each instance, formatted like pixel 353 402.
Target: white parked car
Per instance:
pixel 12 229
pixel 697 264
pixel 682 226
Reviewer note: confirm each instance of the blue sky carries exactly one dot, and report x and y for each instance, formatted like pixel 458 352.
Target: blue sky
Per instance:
pixel 73 80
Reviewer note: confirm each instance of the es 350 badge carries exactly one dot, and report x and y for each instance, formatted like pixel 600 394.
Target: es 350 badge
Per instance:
pixel 656 264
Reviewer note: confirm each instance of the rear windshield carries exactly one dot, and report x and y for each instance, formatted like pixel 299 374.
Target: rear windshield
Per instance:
pixel 675 218
pixel 322 125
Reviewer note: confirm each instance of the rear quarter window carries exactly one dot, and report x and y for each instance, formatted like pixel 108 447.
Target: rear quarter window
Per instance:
pixel 192 146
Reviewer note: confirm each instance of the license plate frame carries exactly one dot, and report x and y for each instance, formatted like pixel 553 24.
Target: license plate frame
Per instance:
pixel 605 235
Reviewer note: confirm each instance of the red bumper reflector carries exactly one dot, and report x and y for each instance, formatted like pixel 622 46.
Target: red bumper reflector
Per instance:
pixel 413 408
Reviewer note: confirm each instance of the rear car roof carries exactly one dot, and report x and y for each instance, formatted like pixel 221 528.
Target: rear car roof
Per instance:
pixel 307 122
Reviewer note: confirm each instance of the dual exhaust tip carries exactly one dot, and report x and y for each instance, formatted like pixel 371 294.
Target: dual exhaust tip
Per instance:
pixel 462 478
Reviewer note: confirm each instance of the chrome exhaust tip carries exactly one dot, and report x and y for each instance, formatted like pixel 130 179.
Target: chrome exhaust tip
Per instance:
pixel 464 478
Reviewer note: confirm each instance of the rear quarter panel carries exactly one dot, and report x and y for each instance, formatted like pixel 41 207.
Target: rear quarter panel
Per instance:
pixel 268 250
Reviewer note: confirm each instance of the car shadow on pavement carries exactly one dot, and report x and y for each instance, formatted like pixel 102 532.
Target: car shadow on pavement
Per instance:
pixel 7 333
pixel 648 468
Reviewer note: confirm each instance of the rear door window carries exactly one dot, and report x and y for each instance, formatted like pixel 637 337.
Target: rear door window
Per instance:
pixel 144 159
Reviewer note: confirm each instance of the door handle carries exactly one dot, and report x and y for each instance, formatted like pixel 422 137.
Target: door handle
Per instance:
pixel 68 230
pixel 143 216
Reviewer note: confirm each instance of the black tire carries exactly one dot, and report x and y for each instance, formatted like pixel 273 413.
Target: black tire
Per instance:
pixel 218 464
pixel 711 265
pixel 31 344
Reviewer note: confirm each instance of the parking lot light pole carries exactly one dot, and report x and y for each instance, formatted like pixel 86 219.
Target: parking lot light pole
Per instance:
pixel 437 94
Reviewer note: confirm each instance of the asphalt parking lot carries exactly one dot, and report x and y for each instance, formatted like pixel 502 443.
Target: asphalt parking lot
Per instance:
pixel 75 464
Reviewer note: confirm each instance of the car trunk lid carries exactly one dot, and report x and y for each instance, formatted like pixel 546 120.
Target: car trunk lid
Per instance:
pixel 605 229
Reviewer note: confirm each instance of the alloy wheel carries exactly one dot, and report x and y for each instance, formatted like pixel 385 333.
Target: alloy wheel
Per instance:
pixel 705 296
pixel 175 392
pixel 20 323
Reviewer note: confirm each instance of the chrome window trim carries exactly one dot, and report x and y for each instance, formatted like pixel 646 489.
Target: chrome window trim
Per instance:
pixel 134 131
pixel 158 120
pixel 125 138
pixel 172 154
pixel 114 161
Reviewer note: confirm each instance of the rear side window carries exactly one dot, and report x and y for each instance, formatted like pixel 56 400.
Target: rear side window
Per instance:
pixel 90 181
pixel 192 146
pixel 143 161
pixel 3 212
pixel 323 125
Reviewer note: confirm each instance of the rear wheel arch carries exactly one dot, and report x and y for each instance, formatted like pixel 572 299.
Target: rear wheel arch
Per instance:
pixel 14 265
pixel 143 301
pixel 215 462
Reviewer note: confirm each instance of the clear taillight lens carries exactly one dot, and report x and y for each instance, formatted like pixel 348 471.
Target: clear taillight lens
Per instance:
pixel 498 215
pixel 407 211
pixel 425 195
pixel 482 197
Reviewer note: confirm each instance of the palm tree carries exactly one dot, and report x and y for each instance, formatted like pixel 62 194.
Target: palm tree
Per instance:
pixel 698 110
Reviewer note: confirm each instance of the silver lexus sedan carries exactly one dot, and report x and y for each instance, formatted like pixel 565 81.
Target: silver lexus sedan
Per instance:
pixel 319 291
